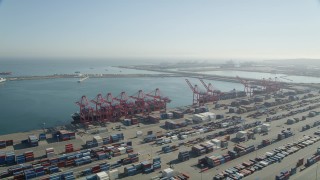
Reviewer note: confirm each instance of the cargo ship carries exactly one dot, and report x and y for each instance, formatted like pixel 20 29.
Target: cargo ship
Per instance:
pixel 2 79
pixel 75 117
pixel 5 73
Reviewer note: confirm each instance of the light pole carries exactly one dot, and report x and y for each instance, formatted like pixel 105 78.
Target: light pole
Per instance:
pixel 58 137
pixel 293 135
pixel 256 153
pixel 44 127
pixel 317 171
pixel 201 170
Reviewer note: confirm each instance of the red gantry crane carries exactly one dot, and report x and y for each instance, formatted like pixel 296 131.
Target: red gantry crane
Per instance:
pixel 111 108
pixel 197 96
pixel 114 108
pixel 142 105
pixel 125 107
pixel 86 111
pixel 98 101
pixel 248 88
pixel 214 95
pixel 158 101
pixel 271 85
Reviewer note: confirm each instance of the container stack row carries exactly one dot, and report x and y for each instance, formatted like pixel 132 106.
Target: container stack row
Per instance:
pixel 184 156
pixel 69 148
pixel 132 158
pixel 153 119
pixel 201 109
pixel 286 174
pixel 4 144
pixel 42 136
pixel 30 171
pixel 50 152
pixel 64 135
pixel 175 124
pixel 33 141
pixel 9 158
pixel 167 149
pixel 129 122
pixel 156 163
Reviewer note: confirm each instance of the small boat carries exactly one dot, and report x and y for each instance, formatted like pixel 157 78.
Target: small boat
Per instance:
pixel 82 79
pixel 2 79
pixel 77 72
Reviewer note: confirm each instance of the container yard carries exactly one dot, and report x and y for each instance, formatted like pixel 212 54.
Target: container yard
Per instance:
pixel 166 90
pixel 235 135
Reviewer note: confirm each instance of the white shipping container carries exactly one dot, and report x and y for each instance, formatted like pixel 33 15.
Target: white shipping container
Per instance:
pixel 174 138
pixel 168 173
pixel 97 139
pixel 50 154
pixel 184 136
pixel 49 150
pixel 122 150
pixel 167 140
pixel 110 147
pixel 209 115
pixel 198 118
pixel 257 130
pixel 210 143
pixel 224 125
pixel 113 174
pixel 240 134
pixel 102 176
pixel 216 147
pixel 139 133
pixel 102 130
pixel 265 127
pixel 216 142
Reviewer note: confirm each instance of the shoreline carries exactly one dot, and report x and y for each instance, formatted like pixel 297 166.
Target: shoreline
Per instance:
pixel 165 75
pixel 201 69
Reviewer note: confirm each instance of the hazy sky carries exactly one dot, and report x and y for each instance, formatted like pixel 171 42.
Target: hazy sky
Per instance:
pixel 259 29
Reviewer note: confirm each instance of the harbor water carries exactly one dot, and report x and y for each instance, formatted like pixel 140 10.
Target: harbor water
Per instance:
pixel 26 105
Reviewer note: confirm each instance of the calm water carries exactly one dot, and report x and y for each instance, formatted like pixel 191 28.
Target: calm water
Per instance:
pixel 26 105
pixel 37 67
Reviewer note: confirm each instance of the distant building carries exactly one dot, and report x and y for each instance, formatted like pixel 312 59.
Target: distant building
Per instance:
pixel 228 64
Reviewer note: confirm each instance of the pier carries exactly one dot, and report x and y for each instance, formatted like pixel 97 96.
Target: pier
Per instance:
pixel 165 74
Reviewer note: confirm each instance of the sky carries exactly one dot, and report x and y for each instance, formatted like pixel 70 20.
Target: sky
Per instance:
pixel 207 29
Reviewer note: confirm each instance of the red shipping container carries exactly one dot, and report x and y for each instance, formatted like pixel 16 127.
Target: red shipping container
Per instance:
pixel 96 170
pixel 45 164
pixel 46 178
pixel 61 164
pixel 9 142
pixel 19 177
pixel 95 167
pixel 129 150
